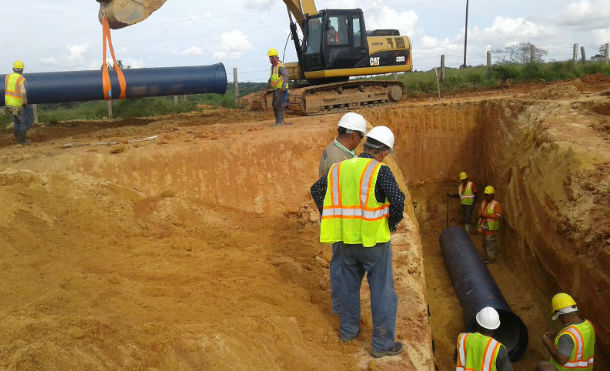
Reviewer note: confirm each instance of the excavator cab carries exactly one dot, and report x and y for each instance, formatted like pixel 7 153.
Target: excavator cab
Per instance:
pixel 334 39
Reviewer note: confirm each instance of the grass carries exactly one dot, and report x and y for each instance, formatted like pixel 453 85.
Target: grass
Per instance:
pixel 423 82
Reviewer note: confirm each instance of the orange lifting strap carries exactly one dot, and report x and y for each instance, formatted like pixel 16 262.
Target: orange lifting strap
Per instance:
pixel 105 75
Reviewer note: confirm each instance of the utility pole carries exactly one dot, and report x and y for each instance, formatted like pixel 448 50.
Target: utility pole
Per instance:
pixel 466 34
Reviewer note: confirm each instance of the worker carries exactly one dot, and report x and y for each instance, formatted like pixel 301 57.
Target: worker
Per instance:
pixel 361 204
pixel 490 216
pixel 478 350
pixel 574 345
pixel 467 193
pixel 278 82
pixel 15 99
pixel 351 129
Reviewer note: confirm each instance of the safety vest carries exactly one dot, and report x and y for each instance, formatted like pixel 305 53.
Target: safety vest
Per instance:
pixel 12 89
pixel 277 79
pixel 476 352
pixel 583 336
pixel 351 212
pixel 489 217
pixel 466 195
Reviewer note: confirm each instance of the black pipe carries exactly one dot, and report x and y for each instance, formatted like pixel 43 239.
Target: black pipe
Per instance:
pixel 79 86
pixel 475 288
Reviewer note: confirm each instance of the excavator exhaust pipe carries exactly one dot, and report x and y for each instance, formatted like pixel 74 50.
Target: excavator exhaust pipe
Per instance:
pixel 80 86
pixel 475 288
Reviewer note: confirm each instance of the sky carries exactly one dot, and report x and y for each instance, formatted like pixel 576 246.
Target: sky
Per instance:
pixel 65 35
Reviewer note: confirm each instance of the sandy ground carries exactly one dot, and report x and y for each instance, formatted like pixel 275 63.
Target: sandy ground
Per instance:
pixel 198 249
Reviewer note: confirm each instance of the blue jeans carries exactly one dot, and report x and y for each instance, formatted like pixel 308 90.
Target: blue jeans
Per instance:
pixel 377 262
pixel 335 277
pixel 22 122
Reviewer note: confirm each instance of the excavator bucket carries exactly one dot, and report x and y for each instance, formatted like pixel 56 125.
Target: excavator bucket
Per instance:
pixel 123 13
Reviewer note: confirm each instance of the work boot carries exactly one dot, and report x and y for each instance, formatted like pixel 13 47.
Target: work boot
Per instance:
pixel 396 349
pixel 278 124
pixel 348 339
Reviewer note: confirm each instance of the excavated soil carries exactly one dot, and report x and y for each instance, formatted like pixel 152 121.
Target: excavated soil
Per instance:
pixel 190 241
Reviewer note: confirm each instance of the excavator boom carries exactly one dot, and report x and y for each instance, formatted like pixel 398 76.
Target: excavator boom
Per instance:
pixel 123 13
pixel 301 8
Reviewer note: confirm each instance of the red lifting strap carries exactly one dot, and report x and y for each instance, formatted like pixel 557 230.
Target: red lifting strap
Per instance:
pixel 105 75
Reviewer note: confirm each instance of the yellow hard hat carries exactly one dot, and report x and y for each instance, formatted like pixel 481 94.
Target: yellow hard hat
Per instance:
pixel 18 65
pixel 463 175
pixel 561 300
pixel 272 52
pixel 489 190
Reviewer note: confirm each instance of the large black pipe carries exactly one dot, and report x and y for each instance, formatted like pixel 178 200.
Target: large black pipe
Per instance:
pixel 475 288
pixel 77 86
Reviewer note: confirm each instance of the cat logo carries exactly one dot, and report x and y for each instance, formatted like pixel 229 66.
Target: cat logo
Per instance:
pixel 374 61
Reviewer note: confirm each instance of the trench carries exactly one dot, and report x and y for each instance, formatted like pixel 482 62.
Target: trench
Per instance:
pixel 505 143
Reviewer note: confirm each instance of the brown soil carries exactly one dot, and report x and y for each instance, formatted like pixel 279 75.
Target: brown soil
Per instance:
pixel 197 248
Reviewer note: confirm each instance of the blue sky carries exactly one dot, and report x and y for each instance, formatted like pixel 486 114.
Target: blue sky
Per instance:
pixel 65 35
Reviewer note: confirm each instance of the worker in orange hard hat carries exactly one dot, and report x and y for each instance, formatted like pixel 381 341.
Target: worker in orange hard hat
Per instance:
pixel 574 345
pixel 467 193
pixel 15 99
pixel 278 82
pixel 490 217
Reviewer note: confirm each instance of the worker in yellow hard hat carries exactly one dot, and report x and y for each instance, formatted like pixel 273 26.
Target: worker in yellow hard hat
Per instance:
pixel 490 217
pixel 467 193
pixel 15 100
pixel 574 345
pixel 278 83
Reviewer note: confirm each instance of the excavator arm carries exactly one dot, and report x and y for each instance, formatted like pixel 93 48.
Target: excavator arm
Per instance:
pixel 300 9
pixel 123 13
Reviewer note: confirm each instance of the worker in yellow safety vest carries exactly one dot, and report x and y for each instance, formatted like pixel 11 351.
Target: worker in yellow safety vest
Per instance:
pixel 490 217
pixel 467 193
pixel 479 351
pixel 361 204
pixel 278 83
pixel 15 99
pixel 574 345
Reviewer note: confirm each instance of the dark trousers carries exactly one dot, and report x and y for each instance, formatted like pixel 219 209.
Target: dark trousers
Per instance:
pixel 22 120
pixel 377 262
pixel 278 110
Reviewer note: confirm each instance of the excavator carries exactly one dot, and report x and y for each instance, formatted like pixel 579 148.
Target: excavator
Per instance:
pixel 335 46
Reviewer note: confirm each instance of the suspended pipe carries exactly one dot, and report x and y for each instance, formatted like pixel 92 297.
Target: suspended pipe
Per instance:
pixel 79 86
pixel 475 288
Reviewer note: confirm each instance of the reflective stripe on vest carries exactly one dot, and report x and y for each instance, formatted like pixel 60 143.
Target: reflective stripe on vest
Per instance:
pixel 477 352
pixel 583 336
pixel 466 196
pixel 277 80
pixel 12 90
pixel 351 212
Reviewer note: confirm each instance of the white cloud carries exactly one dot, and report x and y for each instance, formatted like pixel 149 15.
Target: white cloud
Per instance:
pixel 584 13
pixel 602 35
pixel 74 58
pixel 232 45
pixel 192 50
pixel 380 16
pixel 260 4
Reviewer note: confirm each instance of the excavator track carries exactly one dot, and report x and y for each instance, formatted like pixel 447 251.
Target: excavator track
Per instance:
pixel 334 97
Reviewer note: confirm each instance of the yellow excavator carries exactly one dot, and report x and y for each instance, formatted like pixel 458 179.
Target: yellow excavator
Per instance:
pixel 335 46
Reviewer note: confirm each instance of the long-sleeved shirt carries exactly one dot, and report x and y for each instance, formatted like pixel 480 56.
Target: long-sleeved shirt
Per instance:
pixel 385 187
pixel 281 71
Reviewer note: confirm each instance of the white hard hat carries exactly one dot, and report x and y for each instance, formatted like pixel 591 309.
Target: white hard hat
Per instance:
pixel 353 121
pixel 382 134
pixel 488 318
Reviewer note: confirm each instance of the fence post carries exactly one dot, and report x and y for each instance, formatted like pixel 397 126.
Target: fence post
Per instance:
pixel 438 87
pixel 395 76
pixel 488 62
pixel 235 86
pixel 109 103
pixel 35 110
pixel 443 68
pixel 606 53
pixel 575 54
pixel 582 51
pixel 175 100
pixel 531 53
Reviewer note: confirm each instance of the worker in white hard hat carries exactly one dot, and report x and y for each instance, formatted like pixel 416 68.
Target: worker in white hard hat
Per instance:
pixel 478 350
pixel 361 204
pixel 278 83
pixel 467 193
pixel 15 100
pixel 490 218
pixel 351 129
pixel 574 346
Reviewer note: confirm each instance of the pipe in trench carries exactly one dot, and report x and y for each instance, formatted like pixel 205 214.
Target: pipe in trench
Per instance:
pixel 80 86
pixel 475 288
